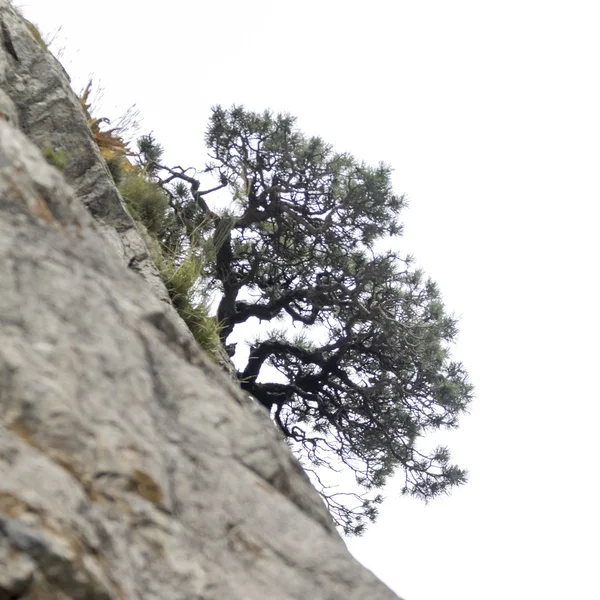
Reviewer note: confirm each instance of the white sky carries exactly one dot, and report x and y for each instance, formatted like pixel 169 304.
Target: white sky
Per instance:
pixel 490 114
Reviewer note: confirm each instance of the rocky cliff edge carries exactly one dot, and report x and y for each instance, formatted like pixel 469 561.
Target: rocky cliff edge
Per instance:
pixel 130 466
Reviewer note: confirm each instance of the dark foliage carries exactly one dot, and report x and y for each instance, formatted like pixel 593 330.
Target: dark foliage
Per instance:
pixel 370 372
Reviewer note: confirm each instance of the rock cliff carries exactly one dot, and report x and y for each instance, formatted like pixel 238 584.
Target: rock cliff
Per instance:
pixel 130 466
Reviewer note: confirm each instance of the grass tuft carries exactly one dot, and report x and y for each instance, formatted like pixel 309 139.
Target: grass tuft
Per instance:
pixel 181 270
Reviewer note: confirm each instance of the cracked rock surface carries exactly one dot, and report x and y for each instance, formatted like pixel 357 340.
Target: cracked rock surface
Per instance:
pixel 131 467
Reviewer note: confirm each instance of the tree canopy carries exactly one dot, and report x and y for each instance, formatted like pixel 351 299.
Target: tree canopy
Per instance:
pixel 352 355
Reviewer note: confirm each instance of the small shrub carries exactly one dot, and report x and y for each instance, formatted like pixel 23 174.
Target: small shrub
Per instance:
pixel 181 271
pixel 116 168
pixel 111 142
pixel 191 301
pixel 147 203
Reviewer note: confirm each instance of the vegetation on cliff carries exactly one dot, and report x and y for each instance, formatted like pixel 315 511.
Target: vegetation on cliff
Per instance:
pixel 176 253
pixel 355 368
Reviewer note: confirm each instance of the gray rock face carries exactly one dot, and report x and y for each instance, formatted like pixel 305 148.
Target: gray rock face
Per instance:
pixel 130 466
pixel 51 116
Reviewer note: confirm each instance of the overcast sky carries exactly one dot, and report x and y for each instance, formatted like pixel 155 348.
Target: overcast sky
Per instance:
pixel 490 114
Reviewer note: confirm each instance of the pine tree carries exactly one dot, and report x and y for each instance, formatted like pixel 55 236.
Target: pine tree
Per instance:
pixel 361 342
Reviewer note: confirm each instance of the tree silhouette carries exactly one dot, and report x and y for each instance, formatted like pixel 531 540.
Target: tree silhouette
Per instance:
pixel 357 368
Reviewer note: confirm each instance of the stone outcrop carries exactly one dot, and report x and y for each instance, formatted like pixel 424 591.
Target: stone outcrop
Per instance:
pixel 130 466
